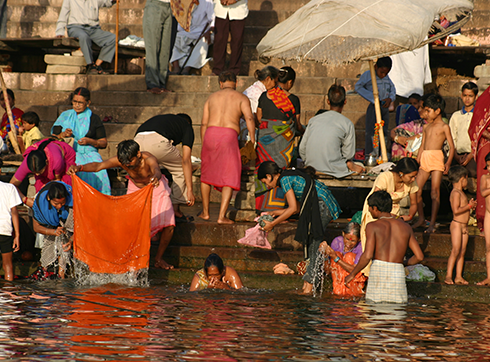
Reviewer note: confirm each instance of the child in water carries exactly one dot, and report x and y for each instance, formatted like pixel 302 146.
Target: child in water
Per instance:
pixel 215 275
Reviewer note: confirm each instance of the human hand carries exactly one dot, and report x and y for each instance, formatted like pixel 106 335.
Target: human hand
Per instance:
pixel 323 247
pixel 85 141
pixel 21 130
pixel 268 226
pixel 472 204
pixel 67 133
pixel 67 246
pixel 348 279
pixel 73 170
pixel 16 245
pixel 58 231
pixel 406 217
pixel 191 199
pixel 468 159
pixel 216 283
pixel 207 36
pixel 29 202
pixel 154 181
pixel 446 168
pixel 386 103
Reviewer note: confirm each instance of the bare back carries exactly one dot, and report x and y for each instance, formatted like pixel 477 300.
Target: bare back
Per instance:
pixel 485 185
pixel 225 108
pixel 435 134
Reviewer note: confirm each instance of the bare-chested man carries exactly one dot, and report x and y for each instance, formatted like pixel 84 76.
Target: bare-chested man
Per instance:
pixel 143 169
pixel 387 240
pixel 221 165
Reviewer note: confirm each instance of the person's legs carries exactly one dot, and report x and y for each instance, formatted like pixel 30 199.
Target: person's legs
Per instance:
pixel 486 231
pixel 422 178
pixel 456 242
pixel 460 261
pixel 3 19
pixel 78 31
pixel 221 30
pixel 165 238
pixel 165 43
pixel 385 115
pixel 106 41
pixel 8 267
pixel 205 195
pixel 152 32
pixel 237 29
pixel 370 121
pixel 225 202
pixel 435 195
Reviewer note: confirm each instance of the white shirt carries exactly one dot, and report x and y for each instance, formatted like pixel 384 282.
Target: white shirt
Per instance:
pixel 9 197
pixel 459 125
pixel 237 11
pixel 202 15
pixel 80 12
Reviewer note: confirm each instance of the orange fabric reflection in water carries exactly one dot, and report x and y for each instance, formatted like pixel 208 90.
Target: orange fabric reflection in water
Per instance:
pixel 112 233
pixel 338 276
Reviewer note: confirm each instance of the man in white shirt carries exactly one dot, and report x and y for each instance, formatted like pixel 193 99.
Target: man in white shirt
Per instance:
pixel 81 20
pixel 230 19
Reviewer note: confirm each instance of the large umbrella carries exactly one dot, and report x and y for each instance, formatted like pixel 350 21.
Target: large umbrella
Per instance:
pixel 343 31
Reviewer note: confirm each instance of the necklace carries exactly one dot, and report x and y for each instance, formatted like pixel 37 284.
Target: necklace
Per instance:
pixel 385 217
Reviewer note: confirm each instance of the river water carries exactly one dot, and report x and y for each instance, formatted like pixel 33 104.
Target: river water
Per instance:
pixel 57 320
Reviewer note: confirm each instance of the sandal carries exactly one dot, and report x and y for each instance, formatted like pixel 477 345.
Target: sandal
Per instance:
pixel 184 219
pixel 96 69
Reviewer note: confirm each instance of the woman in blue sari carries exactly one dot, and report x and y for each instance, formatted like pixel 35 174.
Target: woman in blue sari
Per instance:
pixel 88 134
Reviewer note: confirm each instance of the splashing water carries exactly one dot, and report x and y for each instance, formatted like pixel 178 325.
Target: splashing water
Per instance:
pixel 318 275
pixel 83 276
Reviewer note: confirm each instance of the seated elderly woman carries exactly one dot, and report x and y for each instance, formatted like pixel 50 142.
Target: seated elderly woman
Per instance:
pixel 215 275
pixel 344 254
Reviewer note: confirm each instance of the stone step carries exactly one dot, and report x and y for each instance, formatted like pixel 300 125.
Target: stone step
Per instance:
pixel 126 4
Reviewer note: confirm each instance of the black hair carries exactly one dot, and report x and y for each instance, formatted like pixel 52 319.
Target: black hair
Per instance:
pixel 384 62
pixel 286 74
pixel 81 91
pixel 353 228
pixel 36 159
pixel 470 86
pixel 227 76
pixel 320 111
pixel 435 102
pixel 268 71
pixel 214 260
pixel 336 95
pixel 271 168
pixel 382 200
pixel 406 165
pixel 10 92
pixel 415 96
pixel 487 157
pixel 127 150
pixel 31 118
pixel 186 117
pixel 456 173
pixel 57 190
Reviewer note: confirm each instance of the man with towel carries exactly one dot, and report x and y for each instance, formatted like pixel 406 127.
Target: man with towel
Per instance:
pixel 221 165
pixel 387 241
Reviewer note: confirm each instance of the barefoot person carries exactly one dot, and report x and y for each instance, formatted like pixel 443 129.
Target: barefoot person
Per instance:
pixel 458 175
pixel 221 165
pixel 485 193
pixel 215 275
pixel 143 169
pixel 386 244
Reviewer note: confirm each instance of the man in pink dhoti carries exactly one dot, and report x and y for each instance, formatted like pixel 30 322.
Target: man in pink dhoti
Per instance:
pixel 143 169
pixel 221 165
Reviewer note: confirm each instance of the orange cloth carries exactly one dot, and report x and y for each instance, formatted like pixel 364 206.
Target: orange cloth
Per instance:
pixel 432 160
pixel 338 276
pixel 112 233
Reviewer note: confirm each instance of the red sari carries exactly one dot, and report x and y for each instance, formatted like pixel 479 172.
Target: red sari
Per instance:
pixel 480 146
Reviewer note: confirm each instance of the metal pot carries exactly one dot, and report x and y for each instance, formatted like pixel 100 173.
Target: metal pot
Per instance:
pixel 370 161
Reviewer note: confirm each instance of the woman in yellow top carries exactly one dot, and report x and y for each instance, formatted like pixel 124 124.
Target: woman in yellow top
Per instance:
pixel 215 275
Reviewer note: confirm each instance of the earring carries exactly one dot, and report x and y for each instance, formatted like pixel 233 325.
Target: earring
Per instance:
pixel 400 174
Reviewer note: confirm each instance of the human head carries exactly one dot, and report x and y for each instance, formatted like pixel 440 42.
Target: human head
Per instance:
pixel 268 76
pixel 351 235
pixel 227 79
pixel 456 173
pixel 380 202
pixel 127 153
pixel 336 96
pixel 268 173
pixel 414 99
pixel 80 99
pixel 57 195
pixel 286 78
pixel 30 120
pixel 469 93
pixel 383 67
pixel 214 260
pixel 186 117
pixel 407 168
pixel 11 97
pixel 434 106
pixel 36 159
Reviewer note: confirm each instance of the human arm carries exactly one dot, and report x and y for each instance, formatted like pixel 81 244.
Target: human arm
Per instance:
pixel 361 87
pixel 468 159
pixel 15 222
pixel 348 146
pixel 422 146
pixel 303 143
pixel 299 126
pixel 26 200
pixel 449 137
pixel 249 117
pixel 366 256
pixel 94 166
pixel 187 167
pixel 484 189
pixel 155 167
pixel 100 143
pixel 38 228
pixel 258 117
pixel 457 209
pixel 232 278
pixel 194 283
pixel 205 120
pixel 418 255
pixel 413 207
pixel 66 133
pixel 325 249
pixel 293 208
pixel 63 18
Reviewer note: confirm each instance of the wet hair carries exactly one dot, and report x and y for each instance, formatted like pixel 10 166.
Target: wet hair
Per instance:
pixel 81 91
pixel 384 62
pixel 127 150
pixel 10 92
pixel 36 159
pixel 456 173
pixel 57 190
pixel 406 165
pixel 353 228
pixel 268 71
pixel 336 95
pixel 186 117
pixel 227 76
pixel 286 74
pixel 470 86
pixel 435 102
pixel 214 260
pixel 31 118
pixel 271 168
pixel 382 200
pixel 415 96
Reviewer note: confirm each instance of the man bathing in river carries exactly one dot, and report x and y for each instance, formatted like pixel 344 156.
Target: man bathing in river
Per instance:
pixel 221 165
pixel 387 240
pixel 143 169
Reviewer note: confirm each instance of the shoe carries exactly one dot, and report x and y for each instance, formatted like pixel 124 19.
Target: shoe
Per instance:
pixel 155 90
pixel 96 69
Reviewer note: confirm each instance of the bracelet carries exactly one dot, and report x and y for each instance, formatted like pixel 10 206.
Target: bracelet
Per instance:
pixel 336 260
pixel 81 168
pixel 24 199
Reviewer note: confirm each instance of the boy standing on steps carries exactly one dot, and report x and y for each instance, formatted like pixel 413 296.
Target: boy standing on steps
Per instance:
pixel 458 175
pixel 485 192
pixel 431 157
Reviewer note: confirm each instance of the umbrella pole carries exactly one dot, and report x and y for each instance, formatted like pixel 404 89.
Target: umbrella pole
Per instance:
pixel 13 132
pixel 377 109
pixel 117 37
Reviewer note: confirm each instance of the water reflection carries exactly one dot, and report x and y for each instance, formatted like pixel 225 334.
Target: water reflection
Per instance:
pixel 58 320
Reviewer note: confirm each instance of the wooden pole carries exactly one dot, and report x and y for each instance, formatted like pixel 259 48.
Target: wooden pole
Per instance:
pixel 377 109
pixel 117 37
pixel 13 132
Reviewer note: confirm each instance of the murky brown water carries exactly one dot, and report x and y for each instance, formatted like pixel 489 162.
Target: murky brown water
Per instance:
pixel 59 321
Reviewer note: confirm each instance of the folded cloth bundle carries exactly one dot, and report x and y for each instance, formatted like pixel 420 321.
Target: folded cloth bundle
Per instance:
pixel 282 268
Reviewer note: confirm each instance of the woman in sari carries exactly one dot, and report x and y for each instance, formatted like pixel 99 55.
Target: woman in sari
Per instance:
pixel 479 132
pixel 276 113
pixel 89 135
